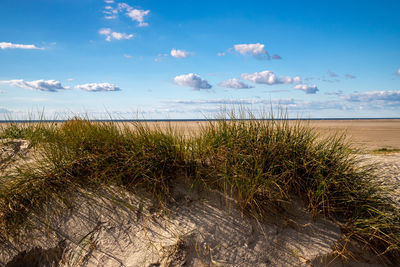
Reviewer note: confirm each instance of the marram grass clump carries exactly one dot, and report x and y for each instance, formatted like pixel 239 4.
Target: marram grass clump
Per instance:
pixel 264 164
pixel 83 154
pixel 267 165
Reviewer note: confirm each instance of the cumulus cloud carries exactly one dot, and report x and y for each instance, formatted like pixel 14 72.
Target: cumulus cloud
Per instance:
pixel 179 53
pixel 109 1
pixel 135 14
pixel 234 83
pixel 114 35
pixel 41 85
pixel 192 80
pixel 398 72
pixel 120 36
pixel 269 78
pixel 221 54
pixel 391 96
pixel 349 76
pixel 138 15
pixel 308 89
pixel 7 45
pixel 257 50
pixel 98 87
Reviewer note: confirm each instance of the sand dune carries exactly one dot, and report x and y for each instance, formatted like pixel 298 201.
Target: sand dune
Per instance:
pixel 116 228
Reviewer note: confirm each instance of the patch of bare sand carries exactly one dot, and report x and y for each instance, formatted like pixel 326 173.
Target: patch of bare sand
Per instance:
pixel 116 228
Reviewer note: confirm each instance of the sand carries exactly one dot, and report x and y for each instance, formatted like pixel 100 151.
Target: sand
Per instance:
pixel 367 134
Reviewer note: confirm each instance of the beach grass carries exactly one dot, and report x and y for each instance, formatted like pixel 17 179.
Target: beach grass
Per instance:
pixel 266 165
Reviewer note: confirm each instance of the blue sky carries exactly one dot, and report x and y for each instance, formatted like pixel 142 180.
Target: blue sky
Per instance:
pixel 187 59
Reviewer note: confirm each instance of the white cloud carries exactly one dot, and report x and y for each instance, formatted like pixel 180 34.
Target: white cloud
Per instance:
pixel 192 80
pixel 135 14
pixel 109 1
pixel 138 15
pixel 297 79
pixel 111 13
pixel 179 53
pixel 127 56
pixel 264 77
pixel 7 45
pixel 392 96
pixel 269 77
pixel 70 79
pixel 120 36
pixel 308 89
pixel 234 83
pixel 41 85
pixel 98 87
pixel 114 35
pixel 105 31
pixel 256 50
pixel 398 72
pixel 221 54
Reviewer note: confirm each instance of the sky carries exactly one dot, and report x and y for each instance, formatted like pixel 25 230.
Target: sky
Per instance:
pixel 189 59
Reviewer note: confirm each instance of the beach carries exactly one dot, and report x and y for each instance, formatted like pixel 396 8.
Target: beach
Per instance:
pixel 366 134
